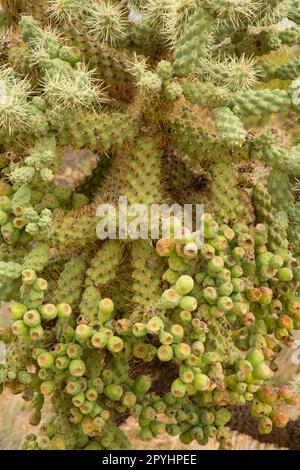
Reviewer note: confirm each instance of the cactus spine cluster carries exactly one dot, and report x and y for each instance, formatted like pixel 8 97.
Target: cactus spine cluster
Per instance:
pixel 175 100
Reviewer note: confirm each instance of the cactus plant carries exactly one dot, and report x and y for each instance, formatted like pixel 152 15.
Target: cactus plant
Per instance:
pixel 173 98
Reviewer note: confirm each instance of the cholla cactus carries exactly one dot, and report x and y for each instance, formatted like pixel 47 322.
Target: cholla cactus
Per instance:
pixel 106 21
pixel 233 73
pixel 176 101
pixel 76 91
pixel 14 97
pixel 64 10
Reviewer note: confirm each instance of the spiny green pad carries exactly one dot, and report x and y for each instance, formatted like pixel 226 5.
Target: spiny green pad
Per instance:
pixel 228 200
pixel 38 257
pixel 103 268
pixel 230 129
pixel 89 303
pixel 70 283
pixel 146 287
pixel 141 182
pixel 261 102
pixel 191 47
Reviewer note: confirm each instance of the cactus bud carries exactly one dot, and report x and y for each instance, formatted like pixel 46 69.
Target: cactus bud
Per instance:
pixel 142 384
pixel 78 399
pixel 190 250
pixel 106 308
pixel 73 386
pixel 262 371
pixel 265 425
pixel 255 357
pixel 286 394
pixel 129 399
pixel 186 374
pixel 40 284
pixel 165 337
pixel 74 351
pixel 28 276
pixel 62 362
pixel 201 382
pixel 48 387
pixel 170 276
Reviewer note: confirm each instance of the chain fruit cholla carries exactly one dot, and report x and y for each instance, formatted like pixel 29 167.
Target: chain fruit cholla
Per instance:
pixel 178 102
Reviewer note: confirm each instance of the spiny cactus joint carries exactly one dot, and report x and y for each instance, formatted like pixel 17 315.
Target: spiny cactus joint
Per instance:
pixel 161 101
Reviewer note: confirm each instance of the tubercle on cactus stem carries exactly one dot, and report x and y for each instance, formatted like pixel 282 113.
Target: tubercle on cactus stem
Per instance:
pixel 178 103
